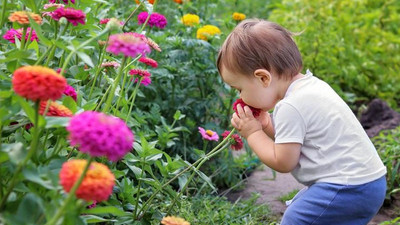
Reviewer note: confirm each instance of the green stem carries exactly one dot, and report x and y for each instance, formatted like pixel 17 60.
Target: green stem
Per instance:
pixel 98 69
pixel 32 151
pixel 23 37
pixel 133 98
pixel 3 12
pixel 114 85
pixel 213 152
pixel 43 55
pixel 148 17
pixel 81 46
pixel 121 95
pixel 102 98
pixel 138 191
pixel 28 39
pixel 130 16
pixel 71 194
pixel 205 159
pixel 53 50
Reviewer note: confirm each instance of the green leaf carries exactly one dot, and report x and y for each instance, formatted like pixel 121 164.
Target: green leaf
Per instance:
pixel 178 115
pixel 70 103
pixel 14 55
pixel 16 152
pixel 39 33
pixel 29 111
pixel 30 210
pixel 106 210
pixel 85 58
pixel 35 177
pixel 55 121
pixel 96 219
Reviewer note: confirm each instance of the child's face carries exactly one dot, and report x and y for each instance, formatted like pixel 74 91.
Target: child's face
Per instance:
pixel 253 91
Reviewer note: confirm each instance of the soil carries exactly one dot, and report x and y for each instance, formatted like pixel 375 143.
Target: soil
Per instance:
pixel 262 181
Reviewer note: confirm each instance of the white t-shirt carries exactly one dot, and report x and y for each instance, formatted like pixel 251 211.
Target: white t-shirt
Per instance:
pixel 335 147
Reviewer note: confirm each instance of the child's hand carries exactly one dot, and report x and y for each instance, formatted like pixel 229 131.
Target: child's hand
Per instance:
pixel 265 119
pixel 245 122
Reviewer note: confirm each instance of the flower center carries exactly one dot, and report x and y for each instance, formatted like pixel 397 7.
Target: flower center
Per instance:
pixel 209 133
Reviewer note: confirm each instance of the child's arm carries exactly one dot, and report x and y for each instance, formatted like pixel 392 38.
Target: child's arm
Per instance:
pixel 280 157
pixel 267 126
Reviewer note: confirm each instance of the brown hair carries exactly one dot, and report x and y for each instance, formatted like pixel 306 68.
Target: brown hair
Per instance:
pixel 259 44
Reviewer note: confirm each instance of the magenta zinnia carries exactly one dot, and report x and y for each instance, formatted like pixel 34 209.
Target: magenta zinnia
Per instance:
pixel 155 20
pixel 149 61
pixel 208 134
pixel 138 73
pixel 59 1
pixel 73 16
pixel 70 91
pixel 12 33
pixel 99 134
pixel 256 112
pixel 127 44
pixel 236 141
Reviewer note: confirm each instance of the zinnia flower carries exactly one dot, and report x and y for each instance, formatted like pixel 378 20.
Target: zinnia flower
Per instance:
pixel 128 44
pixel 73 16
pixel 97 185
pixel 207 31
pixel 55 109
pixel 70 91
pixel 98 134
pixel 236 141
pixel 256 112
pixel 178 1
pixel 149 61
pixel 190 19
pixel 38 83
pixel 152 44
pixel 12 33
pixel 208 134
pixel 146 80
pixel 110 64
pixel 106 20
pixel 59 1
pixel 46 6
pixel 238 16
pixel 22 18
pixel 155 19
pixel 173 220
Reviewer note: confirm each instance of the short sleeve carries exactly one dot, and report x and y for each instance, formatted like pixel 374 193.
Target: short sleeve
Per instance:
pixel 289 124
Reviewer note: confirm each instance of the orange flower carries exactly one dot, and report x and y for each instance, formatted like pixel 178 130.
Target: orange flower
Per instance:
pixel 150 1
pixel 55 109
pixel 97 184
pixel 22 18
pixel 178 1
pixel 38 83
pixel 172 220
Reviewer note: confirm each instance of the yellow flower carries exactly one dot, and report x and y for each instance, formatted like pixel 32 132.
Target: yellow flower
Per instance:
pixel 190 19
pixel 207 31
pixel 172 220
pixel 238 16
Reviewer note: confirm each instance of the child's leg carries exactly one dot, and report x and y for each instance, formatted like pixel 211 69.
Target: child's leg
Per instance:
pixel 325 204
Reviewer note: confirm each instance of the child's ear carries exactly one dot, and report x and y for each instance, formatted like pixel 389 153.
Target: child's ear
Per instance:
pixel 264 76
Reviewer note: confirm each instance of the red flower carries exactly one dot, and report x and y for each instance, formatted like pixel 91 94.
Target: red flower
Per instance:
pixel 73 16
pixel 149 61
pixel 38 83
pixel 55 109
pixel 236 141
pixel 256 112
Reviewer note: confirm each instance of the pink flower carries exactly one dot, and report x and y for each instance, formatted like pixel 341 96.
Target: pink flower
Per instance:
pixel 70 91
pixel 256 112
pixel 145 81
pixel 236 141
pixel 141 73
pixel 12 33
pixel 129 44
pixel 106 20
pixel 208 134
pixel 59 1
pixel 99 134
pixel 149 61
pixel 46 6
pixel 110 64
pixel 155 19
pixel 73 16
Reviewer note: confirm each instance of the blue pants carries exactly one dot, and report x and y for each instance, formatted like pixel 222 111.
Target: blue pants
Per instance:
pixel 334 204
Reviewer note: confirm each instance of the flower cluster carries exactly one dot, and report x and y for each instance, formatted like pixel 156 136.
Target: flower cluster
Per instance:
pixel 22 17
pixel 38 83
pixel 70 91
pixel 110 64
pixel 97 185
pixel 238 16
pixel 149 61
pixel 156 19
pixel 256 112
pixel 129 44
pixel 144 74
pixel 207 31
pixel 236 141
pixel 12 33
pixel 173 220
pixel 54 109
pixel 208 134
pixel 190 19
pixel 98 134
pixel 59 1
pixel 74 16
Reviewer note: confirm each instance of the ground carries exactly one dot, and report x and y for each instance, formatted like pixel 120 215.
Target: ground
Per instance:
pixel 261 181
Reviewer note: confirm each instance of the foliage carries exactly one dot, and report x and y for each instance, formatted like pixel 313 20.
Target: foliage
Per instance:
pixel 352 45
pixel 288 196
pixel 387 145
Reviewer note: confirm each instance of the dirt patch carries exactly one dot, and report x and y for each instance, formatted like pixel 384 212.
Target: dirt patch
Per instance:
pixel 262 182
